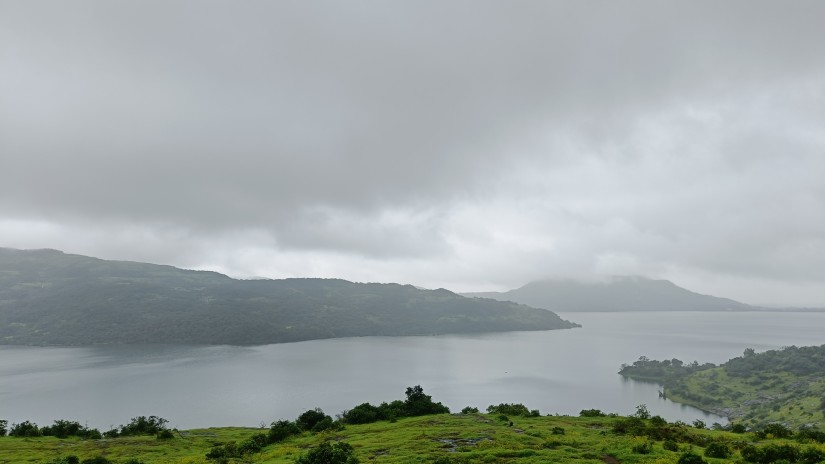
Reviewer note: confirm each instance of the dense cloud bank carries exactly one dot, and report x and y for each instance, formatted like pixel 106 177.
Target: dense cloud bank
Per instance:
pixel 471 145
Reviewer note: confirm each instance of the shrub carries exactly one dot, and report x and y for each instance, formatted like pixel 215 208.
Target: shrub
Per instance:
pixel 810 434
pixel 309 419
pixel 775 431
pixel 642 448
pixel 469 410
pixel 670 445
pixel 62 429
pixel 71 459
pixel 419 404
pixel 416 404
pixel 738 428
pixel 3 429
pixel 90 434
pixel 812 455
pixel 326 453
pixel 143 425
pixel 699 424
pixel 691 458
pixel 557 431
pixel 773 453
pixel 222 453
pixel 326 424
pixel 751 453
pixel 591 413
pixel 717 450
pixel 642 412
pixel 281 430
pixel 97 460
pixel 515 409
pixel 363 414
pixel 165 434
pixel 631 426
pixel 25 429
pixel 253 444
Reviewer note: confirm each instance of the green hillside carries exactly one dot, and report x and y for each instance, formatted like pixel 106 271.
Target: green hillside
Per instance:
pixel 444 439
pixel 779 386
pixel 51 298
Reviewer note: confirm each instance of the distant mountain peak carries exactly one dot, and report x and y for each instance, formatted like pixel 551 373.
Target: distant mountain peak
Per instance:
pixel 613 293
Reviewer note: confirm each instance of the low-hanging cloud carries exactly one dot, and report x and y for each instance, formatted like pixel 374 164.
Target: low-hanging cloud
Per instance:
pixel 469 144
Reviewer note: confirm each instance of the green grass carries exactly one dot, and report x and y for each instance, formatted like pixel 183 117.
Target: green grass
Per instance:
pixel 462 438
pixel 775 397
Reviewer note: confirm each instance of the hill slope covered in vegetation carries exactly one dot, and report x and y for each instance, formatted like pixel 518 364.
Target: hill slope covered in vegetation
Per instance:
pixel 778 386
pixel 51 298
pixel 508 433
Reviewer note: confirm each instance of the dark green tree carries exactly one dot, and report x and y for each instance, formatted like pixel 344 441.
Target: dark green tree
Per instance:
pixel 309 419
pixel 25 429
pixel 420 404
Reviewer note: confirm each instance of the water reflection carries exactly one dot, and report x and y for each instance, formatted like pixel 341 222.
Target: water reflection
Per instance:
pixel 556 371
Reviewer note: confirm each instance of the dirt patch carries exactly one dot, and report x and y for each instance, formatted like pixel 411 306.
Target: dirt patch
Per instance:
pixel 608 459
pixel 452 444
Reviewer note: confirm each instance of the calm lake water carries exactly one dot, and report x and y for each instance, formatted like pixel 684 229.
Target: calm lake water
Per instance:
pixel 561 371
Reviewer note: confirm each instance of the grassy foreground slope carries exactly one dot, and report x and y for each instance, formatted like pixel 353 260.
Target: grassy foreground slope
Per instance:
pixel 778 386
pixel 51 298
pixel 442 438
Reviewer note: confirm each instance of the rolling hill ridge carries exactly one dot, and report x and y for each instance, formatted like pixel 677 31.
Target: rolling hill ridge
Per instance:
pixel 48 297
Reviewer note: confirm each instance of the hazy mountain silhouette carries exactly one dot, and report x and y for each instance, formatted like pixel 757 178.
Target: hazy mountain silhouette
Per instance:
pixel 613 294
pixel 51 298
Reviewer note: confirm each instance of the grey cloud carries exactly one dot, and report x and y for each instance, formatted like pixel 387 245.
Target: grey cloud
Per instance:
pixel 363 127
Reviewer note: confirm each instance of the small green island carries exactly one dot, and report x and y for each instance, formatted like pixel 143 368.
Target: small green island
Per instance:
pixel 418 430
pixel 784 386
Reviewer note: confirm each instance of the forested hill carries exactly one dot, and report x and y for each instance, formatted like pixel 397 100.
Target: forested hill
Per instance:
pixel 51 298
pixel 624 293
pixel 785 386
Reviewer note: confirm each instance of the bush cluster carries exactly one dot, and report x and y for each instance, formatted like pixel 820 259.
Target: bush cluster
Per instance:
pixel 98 460
pixel 592 413
pixel 657 428
pixel 786 453
pixel 329 453
pixel 141 425
pixel 717 450
pixel 416 404
pixel 514 409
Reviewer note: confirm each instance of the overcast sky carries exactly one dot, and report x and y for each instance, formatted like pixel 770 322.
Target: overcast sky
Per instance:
pixel 472 145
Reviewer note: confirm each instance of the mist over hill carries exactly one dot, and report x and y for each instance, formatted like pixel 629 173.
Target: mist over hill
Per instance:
pixel 626 293
pixel 48 297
